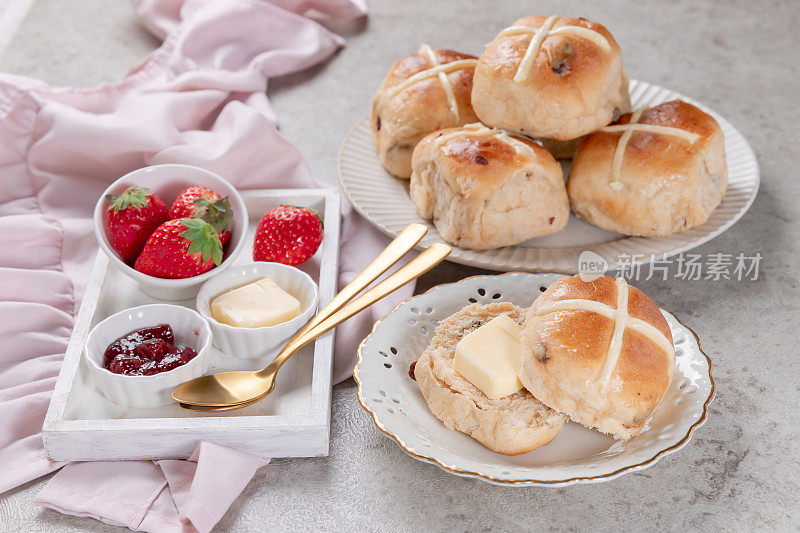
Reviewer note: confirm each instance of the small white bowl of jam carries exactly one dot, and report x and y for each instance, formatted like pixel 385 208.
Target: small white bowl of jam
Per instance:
pixel 138 356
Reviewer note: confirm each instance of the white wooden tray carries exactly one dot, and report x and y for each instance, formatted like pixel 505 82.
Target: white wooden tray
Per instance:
pixel 294 421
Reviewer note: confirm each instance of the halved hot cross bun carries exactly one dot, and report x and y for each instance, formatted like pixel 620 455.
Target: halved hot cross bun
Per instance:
pixel 511 425
pixel 600 352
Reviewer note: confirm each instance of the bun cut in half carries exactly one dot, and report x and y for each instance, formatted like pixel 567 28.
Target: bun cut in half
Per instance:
pixel 423 92
pixel 511 425
pixel 658 171
pixel 600 352
pixel 551 77
pixel 484 188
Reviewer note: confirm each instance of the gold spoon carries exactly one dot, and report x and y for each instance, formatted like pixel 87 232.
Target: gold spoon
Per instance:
pixel 205 409
pixel 233 390
pixel 395 250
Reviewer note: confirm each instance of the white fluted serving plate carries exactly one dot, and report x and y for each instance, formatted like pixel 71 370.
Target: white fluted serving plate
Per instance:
pixel 576 455
pixel 383 200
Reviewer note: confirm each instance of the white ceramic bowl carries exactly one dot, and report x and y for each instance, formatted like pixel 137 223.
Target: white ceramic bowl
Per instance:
pixel 253 343
pixel 167 182
pixel 189 328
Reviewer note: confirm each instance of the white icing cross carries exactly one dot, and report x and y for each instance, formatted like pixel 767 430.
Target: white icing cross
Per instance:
pixel 628 130
pixel 479 130
pixel 622 321
pixel 543 32
pixel 440 70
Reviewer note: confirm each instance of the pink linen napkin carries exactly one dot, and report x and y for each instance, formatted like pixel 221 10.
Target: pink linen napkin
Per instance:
pixel 199 99
pixel 166 495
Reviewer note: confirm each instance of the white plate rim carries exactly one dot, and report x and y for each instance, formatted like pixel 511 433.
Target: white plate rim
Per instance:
pixel 566 257
pixel 529 482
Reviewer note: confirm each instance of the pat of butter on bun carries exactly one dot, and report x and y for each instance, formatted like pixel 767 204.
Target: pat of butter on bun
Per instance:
pixel 255 305
pixel 491 357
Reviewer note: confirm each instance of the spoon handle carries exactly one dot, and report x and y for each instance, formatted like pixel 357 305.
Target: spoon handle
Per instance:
pixel 415 268
pixel 390 255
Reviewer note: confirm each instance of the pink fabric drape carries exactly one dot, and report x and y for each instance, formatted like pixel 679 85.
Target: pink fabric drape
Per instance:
pixel 199 99
pixel 164 496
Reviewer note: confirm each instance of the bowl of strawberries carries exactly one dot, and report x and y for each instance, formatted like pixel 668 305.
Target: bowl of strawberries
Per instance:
pixel 171 227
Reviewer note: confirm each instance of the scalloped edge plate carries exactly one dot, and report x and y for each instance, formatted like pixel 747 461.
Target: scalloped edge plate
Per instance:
pixel 576 455
pixel 383 200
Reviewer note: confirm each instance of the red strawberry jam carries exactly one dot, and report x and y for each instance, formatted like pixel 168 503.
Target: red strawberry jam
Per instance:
pixel 147 351
pixel 126 364
pixel 127 343
pixel 153 349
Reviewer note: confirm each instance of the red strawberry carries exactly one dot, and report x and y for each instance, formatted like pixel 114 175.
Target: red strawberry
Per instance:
pixel 288 235
pixel 131 219
pixel 202 202
pixel 180 248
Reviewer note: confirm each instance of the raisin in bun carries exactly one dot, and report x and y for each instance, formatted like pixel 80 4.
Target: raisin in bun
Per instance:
pixel 483 188
pixel 600 352
pixel 423 92
pixel 511 425
pixel 551 77
pixel 657 171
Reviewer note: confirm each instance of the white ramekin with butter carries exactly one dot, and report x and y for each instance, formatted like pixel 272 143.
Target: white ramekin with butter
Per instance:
pixel 254 309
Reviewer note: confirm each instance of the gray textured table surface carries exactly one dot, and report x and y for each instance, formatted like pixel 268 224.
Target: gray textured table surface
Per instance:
pixel 740 471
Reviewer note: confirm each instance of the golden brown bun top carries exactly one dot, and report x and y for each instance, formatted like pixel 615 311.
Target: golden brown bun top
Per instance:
pixel 479 152
pixel 577 344
pixel 407 66
pixel 604 290
pixel 487 161
pixel 673 152
pixel 563 60
pixel 577 365
pixel 643 369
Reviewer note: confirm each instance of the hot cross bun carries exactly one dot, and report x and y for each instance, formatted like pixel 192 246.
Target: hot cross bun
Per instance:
pixel 484 188
pixel 423 92
pixel 658 171
pixel 600 352
pixel 551 77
